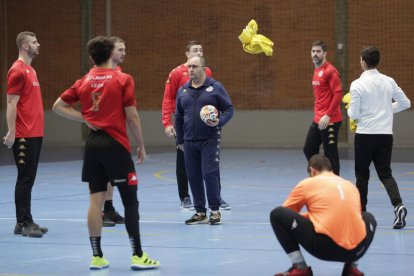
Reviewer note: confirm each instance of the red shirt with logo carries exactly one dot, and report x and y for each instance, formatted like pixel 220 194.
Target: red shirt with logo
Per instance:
pixel 177 78
pixel 103 93
pixel 22 81
pixel 327 90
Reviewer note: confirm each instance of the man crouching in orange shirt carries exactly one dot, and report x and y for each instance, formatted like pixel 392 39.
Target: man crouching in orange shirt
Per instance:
pixel 332 229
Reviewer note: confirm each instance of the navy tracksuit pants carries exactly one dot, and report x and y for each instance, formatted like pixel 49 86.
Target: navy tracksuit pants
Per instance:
pixel 202 161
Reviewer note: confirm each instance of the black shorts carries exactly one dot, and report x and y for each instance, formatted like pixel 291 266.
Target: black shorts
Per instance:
pixel 106 160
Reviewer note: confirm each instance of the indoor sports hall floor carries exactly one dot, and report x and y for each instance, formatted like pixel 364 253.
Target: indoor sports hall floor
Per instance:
pixel 254 182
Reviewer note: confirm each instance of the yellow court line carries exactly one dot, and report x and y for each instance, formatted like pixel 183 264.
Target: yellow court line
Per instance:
pixel 159 175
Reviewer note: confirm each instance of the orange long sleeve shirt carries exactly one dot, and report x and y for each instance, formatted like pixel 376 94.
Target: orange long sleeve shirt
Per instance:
pixel 333 205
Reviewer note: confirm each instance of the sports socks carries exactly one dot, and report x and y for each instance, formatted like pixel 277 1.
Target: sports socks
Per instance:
pixel 96 246
pixel 136 246
pixel 296 258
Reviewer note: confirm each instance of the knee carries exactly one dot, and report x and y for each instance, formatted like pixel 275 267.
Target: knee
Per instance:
pixel 384 173
pixel 276 213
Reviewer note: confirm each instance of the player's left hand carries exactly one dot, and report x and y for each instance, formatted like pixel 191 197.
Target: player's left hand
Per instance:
pixel 142 155
pixel 324 122
pixel 213 123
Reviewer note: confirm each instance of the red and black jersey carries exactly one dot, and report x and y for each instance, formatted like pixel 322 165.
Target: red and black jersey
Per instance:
pixel 103 93
pixel 22 81
pixel 328 93
pixel 176 79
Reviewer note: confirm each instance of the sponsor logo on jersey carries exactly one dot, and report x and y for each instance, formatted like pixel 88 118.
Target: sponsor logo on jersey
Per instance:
pixel 315 83
pixel 105 77
pixel 132 179
pixel 35 83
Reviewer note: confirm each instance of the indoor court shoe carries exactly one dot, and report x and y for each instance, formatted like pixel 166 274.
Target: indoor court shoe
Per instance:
pixel 43 229
pixel 400 214
pixel 294 271
pixel 98 263
pixel 197 218
pixel 32 230
pixel 114 216
pixel 350 270
pixel 144 262
pixel 18 228
pixel 224 205
pixel 215 218
pixel 106 222
pixel 187 204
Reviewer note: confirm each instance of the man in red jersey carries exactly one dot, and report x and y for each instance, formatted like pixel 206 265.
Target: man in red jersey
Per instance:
pixel 327 118
pixel 25 122
pixel 107 101
pixel 176 79
pixel 110 215
pixel 332 229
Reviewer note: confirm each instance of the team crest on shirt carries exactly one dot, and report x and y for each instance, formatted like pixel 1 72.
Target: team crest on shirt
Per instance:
pixel 132 179
pixel 320 74
pixel 184 90
pixel 209 89
pixel 27 71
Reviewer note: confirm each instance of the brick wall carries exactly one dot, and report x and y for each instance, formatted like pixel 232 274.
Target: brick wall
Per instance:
pixel 156 33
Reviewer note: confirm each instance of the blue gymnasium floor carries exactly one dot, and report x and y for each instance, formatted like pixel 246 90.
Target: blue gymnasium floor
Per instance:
pixel 254 182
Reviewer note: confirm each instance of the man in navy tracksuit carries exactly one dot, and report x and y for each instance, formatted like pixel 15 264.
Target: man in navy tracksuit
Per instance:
pixel 201 141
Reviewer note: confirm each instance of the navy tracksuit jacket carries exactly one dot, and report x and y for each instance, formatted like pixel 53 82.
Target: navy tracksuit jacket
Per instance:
pixel 202 142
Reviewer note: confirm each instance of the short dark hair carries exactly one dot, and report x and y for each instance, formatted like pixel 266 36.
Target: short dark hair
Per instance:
pixel 191 44
pixel 320 43
pixel 117 39
pixel 371 56
pixel 320 163
pixel 100 49
pixel 21 38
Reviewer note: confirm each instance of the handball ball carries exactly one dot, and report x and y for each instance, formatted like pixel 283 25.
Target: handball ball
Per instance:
pixel 209 113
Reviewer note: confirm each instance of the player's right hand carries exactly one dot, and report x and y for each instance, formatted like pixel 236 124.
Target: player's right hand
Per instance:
pixel 9 139
pixel 170 131
pixel 91 126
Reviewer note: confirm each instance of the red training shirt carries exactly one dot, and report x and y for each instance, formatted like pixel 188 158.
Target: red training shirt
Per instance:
pixel 327 90
pixel 177 78
pixel 103 93
pixel 22 81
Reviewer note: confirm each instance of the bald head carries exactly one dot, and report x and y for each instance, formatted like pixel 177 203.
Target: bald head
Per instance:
pixel 199 60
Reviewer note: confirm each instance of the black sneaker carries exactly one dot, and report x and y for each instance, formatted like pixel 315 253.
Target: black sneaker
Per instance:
pixel 350 270
pixel 113 216
pixel 215 218
pixel 32 230
pixel 106 222
pixel 400 214
pixel 197 218
pixel 18 228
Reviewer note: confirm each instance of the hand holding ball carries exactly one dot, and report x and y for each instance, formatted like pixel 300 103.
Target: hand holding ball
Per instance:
pixel 209 115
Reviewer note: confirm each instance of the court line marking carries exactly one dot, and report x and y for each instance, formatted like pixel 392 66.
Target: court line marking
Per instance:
pixel 182 222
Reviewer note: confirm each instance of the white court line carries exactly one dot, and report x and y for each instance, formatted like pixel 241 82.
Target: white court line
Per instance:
pixel 182 222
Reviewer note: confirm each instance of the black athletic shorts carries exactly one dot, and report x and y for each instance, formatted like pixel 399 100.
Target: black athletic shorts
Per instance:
pixel 106 160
